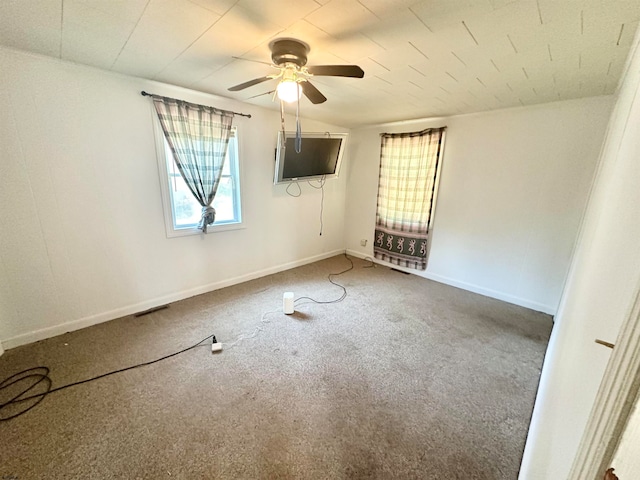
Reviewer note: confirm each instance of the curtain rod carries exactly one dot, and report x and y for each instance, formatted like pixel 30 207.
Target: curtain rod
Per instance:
pixel 412 134
pixel 145 94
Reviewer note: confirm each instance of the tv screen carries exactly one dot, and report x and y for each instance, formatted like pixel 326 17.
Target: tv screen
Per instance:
pixel 320 156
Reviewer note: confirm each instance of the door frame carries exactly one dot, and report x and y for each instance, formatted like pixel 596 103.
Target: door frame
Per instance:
pixel 618 393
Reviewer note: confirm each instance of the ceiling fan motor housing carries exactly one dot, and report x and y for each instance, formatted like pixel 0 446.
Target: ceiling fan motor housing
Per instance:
pixel 289 50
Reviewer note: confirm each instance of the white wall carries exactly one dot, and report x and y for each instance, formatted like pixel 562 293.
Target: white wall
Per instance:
pixel 601 286
pixel 513 188
pixel 82 237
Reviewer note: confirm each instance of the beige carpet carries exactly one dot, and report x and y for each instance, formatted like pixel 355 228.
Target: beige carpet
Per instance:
pixel 406 378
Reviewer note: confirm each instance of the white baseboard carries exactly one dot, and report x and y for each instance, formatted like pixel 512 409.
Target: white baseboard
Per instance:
pixel 505 297
pixel 72 325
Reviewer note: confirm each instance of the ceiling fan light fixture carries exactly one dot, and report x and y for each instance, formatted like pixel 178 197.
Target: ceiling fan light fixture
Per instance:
pixel 289 91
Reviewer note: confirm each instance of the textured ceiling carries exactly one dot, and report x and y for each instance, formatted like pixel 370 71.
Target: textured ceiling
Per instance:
pixel 421 58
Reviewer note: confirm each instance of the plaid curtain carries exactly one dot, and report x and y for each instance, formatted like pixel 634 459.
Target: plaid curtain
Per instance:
pixel 198 137
pixel 409 165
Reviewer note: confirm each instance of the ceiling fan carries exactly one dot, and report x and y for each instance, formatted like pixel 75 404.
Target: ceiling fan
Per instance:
pixel 290 56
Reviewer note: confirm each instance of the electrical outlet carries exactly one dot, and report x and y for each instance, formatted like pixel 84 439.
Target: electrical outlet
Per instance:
pixel 363 242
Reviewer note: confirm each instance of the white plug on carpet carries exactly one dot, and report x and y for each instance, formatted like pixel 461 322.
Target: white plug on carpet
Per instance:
pixel 215 346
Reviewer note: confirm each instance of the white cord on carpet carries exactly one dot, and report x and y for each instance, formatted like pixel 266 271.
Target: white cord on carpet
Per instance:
pixel 257 330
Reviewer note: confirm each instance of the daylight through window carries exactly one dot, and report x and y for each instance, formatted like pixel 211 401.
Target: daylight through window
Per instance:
pixel 185 211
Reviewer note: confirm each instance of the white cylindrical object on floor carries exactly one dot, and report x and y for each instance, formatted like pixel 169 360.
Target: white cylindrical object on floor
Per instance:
pixel 287 303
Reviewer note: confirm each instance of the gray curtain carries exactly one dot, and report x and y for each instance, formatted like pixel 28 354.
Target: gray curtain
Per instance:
pixel 198 137
pixel 409 165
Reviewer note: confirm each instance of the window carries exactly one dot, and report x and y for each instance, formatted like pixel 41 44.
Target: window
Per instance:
pixel 409 164
pixel 182 210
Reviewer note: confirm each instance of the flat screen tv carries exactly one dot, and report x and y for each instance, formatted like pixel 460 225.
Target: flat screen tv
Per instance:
pixel 320 156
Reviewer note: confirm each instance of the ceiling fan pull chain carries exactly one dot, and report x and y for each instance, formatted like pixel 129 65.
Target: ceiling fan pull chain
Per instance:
pixel 298 132
pixel 282 123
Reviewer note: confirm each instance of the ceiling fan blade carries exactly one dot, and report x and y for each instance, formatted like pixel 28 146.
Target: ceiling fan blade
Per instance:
pixel 337 71
pixel 312 93
pixel 250 83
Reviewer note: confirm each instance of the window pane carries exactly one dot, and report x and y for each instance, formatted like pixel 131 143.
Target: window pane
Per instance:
pixel 226 168
pixel 223 203
pixel 186 211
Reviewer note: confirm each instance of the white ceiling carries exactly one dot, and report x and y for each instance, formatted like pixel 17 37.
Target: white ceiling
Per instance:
pixel 421 58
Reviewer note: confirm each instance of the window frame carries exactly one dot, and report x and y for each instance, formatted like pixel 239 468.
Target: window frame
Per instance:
pixel 162 154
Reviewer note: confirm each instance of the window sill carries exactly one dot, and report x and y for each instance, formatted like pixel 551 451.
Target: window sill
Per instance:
pixel 185 232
